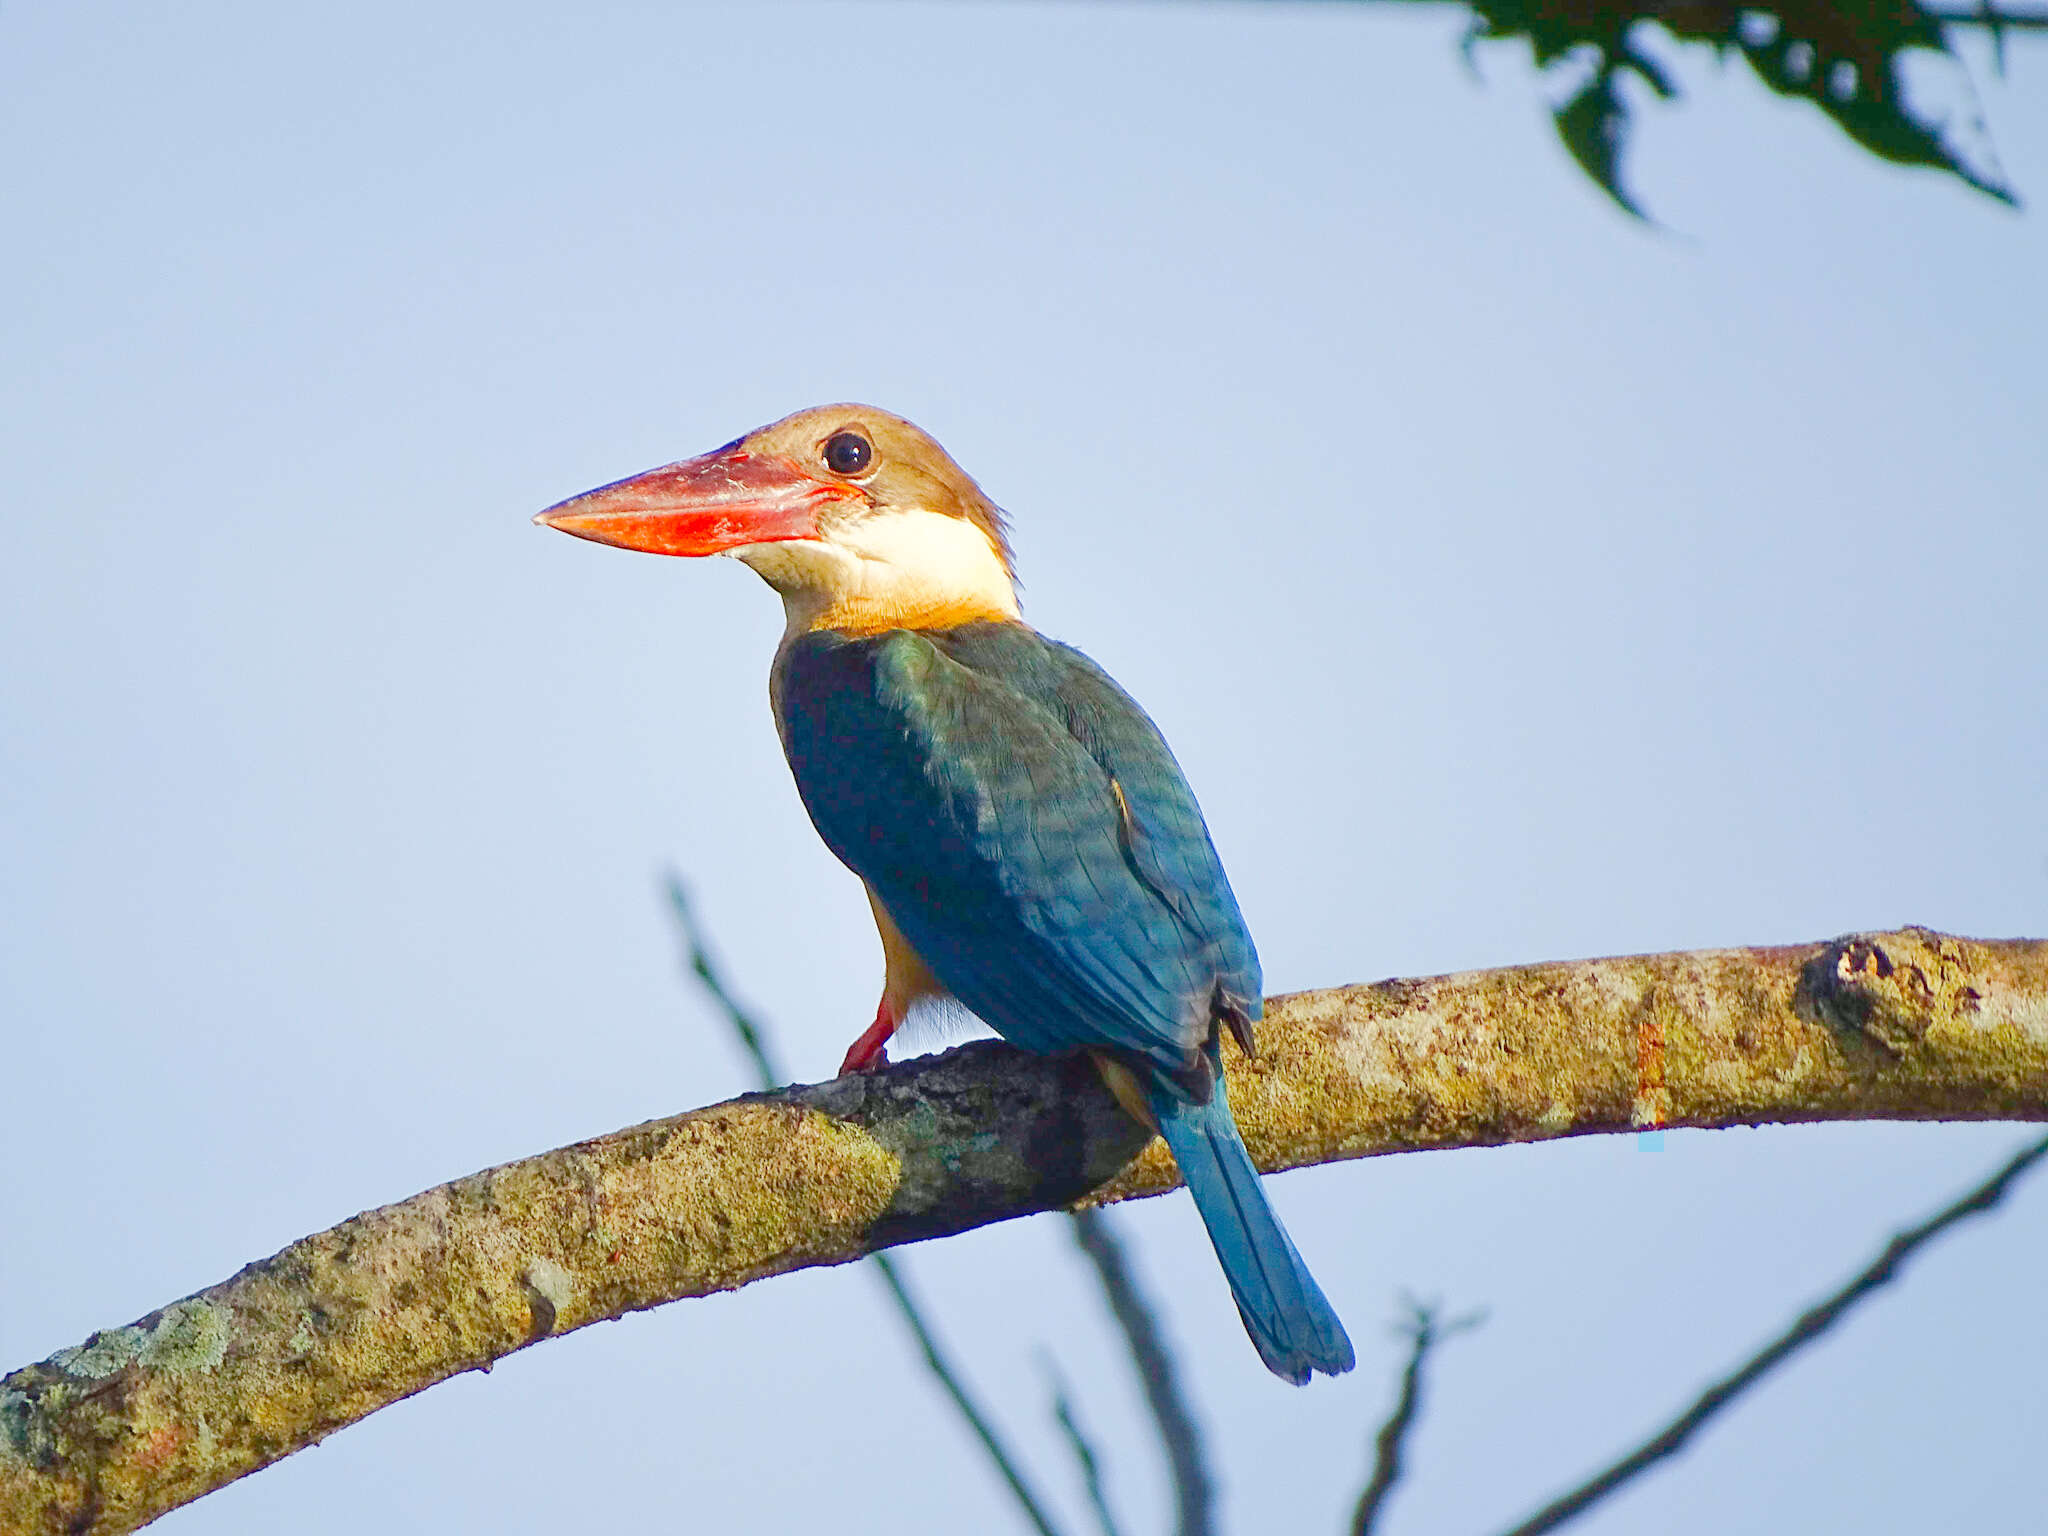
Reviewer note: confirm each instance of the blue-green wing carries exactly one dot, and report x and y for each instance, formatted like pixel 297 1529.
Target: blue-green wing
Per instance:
pixel 1028 831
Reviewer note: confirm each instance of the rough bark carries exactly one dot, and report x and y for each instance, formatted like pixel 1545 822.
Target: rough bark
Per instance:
pixel 105 1436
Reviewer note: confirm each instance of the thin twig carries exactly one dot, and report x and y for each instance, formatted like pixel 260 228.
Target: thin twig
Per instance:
pixel 753 1037
pixel 1194 1490
pixel 1810 1325
pixel 1997 21
pixel 936 1362
pixel 697 956
pixel 1083 1449
pixel 1424 1333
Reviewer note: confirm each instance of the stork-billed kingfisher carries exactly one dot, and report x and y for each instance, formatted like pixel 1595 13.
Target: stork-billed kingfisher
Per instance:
pixel 1029 845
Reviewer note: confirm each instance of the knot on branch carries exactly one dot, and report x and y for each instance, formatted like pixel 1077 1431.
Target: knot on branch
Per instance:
pixel 1889 990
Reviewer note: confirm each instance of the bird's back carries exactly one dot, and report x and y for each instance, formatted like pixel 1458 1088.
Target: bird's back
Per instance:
pixel 1028 830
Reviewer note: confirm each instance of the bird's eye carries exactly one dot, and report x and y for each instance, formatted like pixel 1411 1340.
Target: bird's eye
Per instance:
pixel 847 453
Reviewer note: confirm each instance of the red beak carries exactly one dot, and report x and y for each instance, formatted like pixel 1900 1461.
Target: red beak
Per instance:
pixel 718 501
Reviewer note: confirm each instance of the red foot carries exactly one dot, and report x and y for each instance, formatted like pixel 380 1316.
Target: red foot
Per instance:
pixel 867 1054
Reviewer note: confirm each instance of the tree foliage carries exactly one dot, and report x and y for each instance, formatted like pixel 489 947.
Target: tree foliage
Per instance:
pixel 1847 58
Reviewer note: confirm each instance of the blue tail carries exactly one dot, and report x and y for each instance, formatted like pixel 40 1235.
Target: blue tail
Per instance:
pixel 1284 1310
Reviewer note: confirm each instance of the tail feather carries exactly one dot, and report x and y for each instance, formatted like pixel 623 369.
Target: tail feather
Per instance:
pixel 1284 1310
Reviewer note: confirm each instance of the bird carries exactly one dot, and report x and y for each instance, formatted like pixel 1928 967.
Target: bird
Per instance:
pixel 1029 845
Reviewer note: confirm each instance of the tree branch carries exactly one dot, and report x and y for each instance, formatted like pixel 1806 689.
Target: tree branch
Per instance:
pixel 1808 1326
pixel 1424 1332
pixel 1085 1457
pixel 1194 1492
pixel 104 1437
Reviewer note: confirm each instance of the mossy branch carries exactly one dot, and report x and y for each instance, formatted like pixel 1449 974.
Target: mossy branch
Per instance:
pixel 106 1436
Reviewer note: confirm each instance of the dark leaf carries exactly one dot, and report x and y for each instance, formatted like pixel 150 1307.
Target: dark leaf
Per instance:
pixel 1871 109
pixel 1594 125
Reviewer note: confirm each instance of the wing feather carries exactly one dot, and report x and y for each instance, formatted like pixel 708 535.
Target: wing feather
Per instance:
pixel 1027 828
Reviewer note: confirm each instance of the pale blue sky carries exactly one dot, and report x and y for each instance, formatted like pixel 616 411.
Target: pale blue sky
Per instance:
pixel 1514 582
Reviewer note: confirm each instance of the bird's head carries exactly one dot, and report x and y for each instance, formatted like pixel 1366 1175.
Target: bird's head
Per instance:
pixel 859 519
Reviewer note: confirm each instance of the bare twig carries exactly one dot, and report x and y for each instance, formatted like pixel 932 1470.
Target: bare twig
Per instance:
pixel 1997 21
pixel 1810 1325
pixel 1424 1334
pixel 1083 1448
pixel 697 957
pixel 1193 1490
pixel 754 1039
pixel 983 1428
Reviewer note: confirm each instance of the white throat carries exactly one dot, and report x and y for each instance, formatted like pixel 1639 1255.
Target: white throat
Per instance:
pixel 896 569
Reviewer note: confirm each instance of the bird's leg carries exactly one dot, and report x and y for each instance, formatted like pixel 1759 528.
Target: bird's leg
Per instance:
pixel 867 1053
